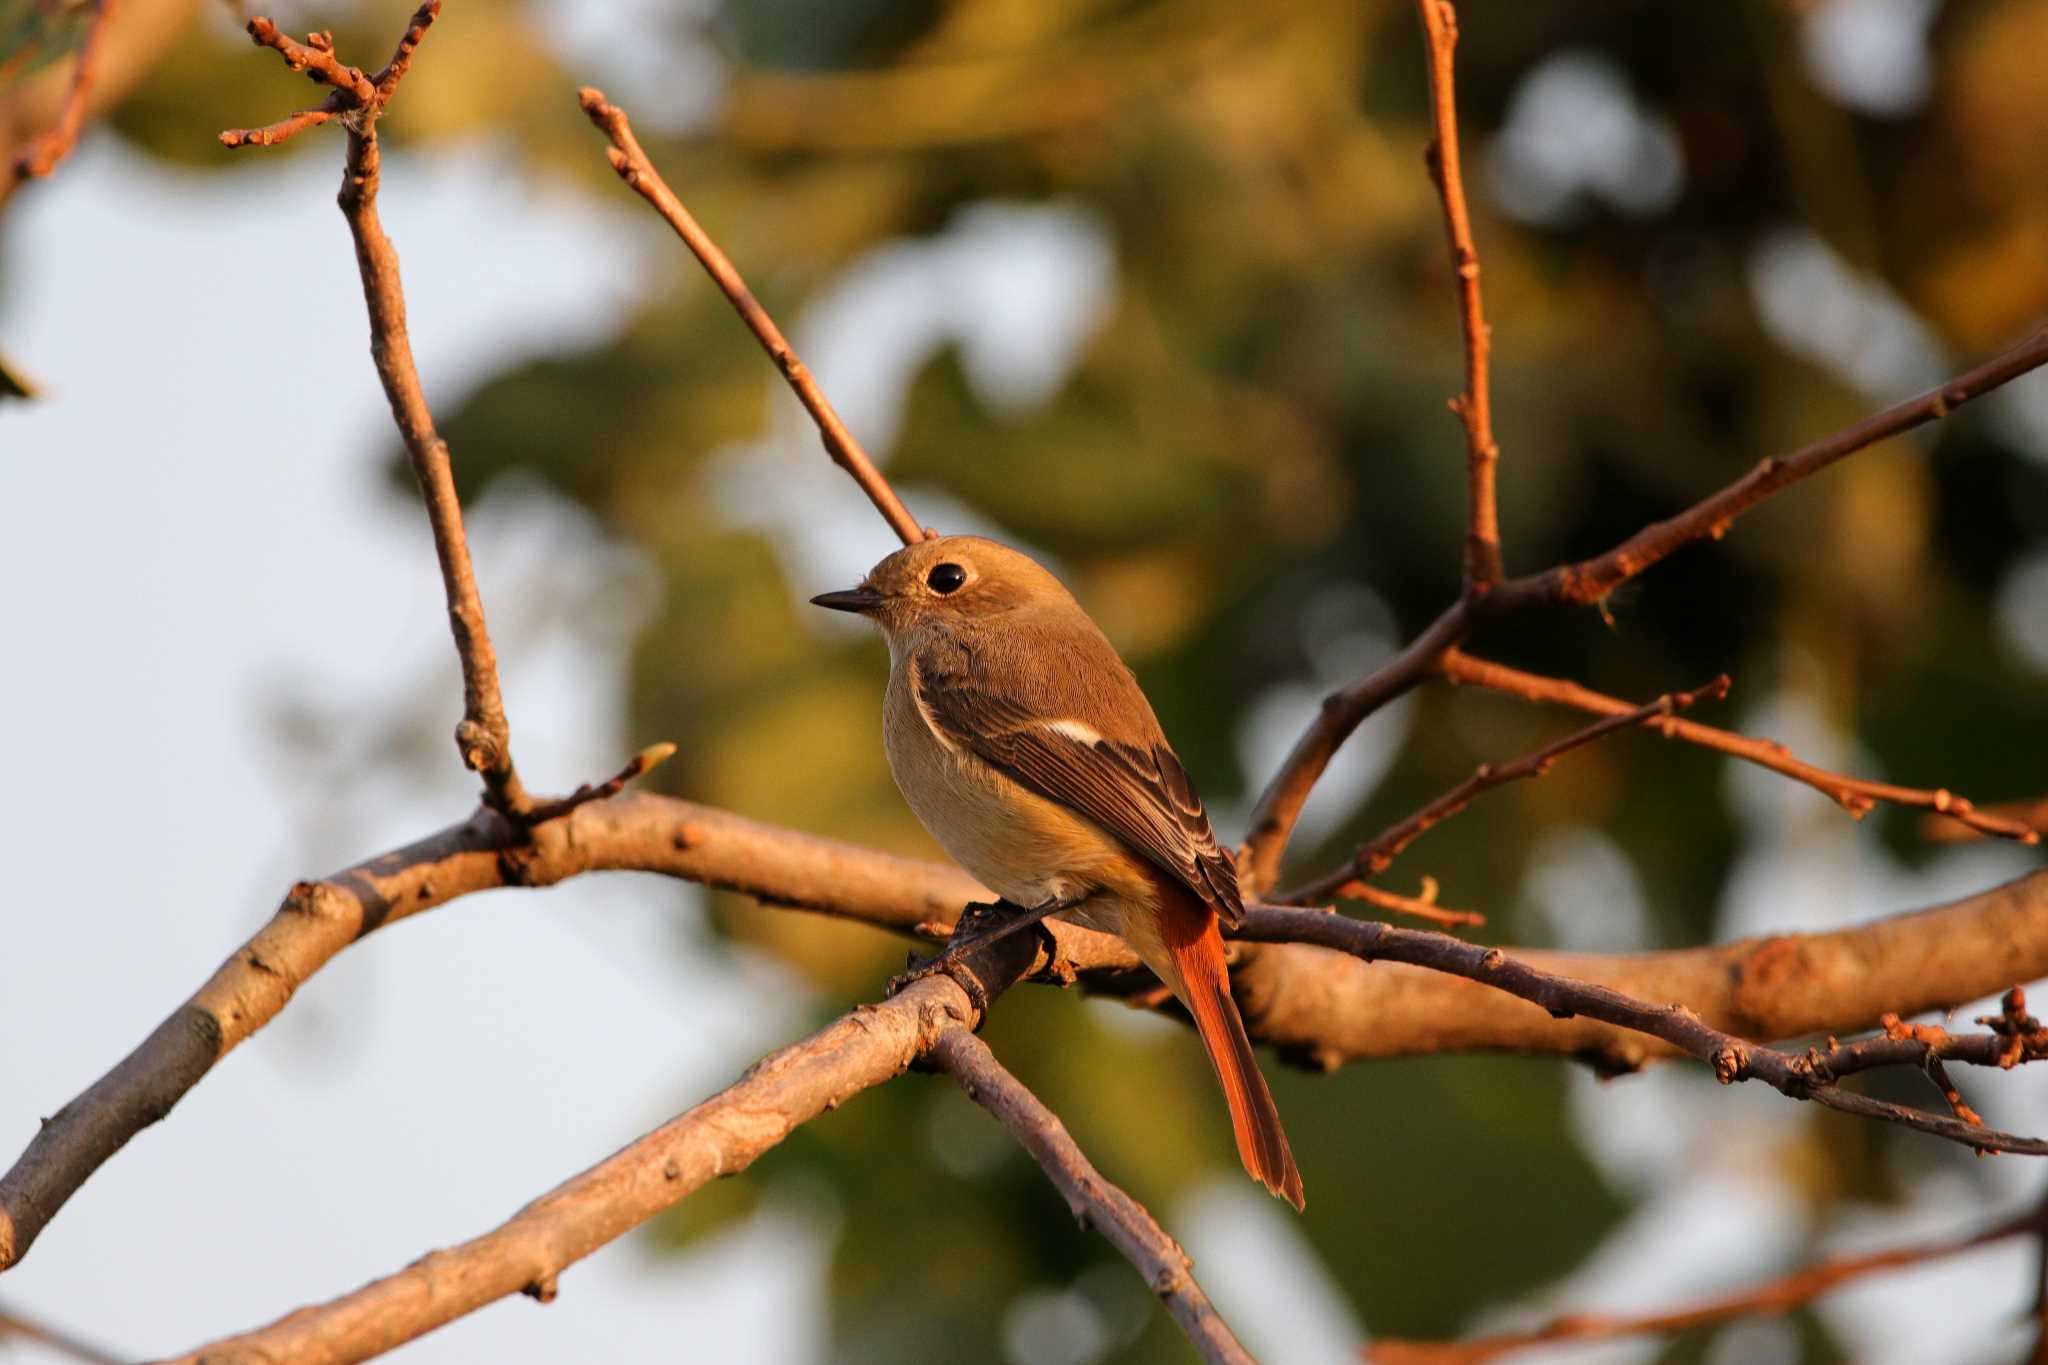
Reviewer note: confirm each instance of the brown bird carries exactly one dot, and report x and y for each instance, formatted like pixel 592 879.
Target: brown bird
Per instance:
pixel 1028 749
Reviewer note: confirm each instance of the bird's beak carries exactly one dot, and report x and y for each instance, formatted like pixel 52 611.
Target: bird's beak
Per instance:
pixel 861 599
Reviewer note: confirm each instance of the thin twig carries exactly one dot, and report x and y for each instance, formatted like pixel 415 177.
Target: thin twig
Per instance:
pixel 1096 1202
pixel 1733 1059
pixel 290 126
pixel 1781 1295
pixel 1853 794
pixel 1373 858
pixel 47 151
pixel 634 167
pixel 1474 406
pixel 483 737
pixel 1589 580
pixel 13 1324
pixel 1423 908
pixel 1279 806
pixel 651 757
pixel 1342 712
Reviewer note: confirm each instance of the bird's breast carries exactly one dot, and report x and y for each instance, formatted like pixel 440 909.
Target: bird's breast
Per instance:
pixel 1022 846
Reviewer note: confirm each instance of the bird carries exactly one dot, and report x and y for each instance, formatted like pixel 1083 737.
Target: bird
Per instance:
pixel 1024 744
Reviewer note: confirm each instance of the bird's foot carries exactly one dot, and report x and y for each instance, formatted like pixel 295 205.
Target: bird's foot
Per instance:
pixel 981 923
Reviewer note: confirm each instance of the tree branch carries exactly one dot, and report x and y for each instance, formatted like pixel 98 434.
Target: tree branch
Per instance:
pixel 720 1137
pixel 1781 1295
pixel 1279 806
pixel 1374 857
pixel 1323 1011
pixel 634 167
pixel 484 737
pixel 1853 794
pixel 1589 580
pixel 1316 1007
pixel 1095 1201
pixel 1474 406
pixel 1732 1058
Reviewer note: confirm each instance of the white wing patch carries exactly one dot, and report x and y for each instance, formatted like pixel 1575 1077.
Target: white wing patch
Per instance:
pixel 1075 730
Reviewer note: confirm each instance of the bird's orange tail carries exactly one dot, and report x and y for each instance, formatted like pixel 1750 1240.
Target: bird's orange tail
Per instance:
pixel 1195 950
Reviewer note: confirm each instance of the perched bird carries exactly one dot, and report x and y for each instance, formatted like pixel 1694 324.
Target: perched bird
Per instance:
pixel 1028 750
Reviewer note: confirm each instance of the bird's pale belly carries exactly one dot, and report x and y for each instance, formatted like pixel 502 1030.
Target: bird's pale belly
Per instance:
pixel 1026 849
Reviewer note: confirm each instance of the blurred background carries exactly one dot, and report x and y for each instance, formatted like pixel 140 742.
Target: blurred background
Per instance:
pixel 1158 290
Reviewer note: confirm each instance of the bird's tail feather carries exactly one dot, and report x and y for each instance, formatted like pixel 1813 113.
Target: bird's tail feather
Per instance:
pixel 1194 951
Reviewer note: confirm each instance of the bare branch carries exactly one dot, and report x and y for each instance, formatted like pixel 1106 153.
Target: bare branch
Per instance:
pixel 484 737
pixel 1589 580
pixel 1781 1295
pixel 1095 1201
pixel 720 1137
pixel 1279 807
pixel 1474 406
pixel 2032 813
pixel 48 150
pixel 1853 794
pixel 1315 1006
pixel 1422 908
pixel 638 172
pixel 319 919
pixel 1732 1058
pixel 1374 857
pixel 647 759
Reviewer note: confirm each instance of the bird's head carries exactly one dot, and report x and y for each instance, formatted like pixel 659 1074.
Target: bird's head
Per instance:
pixel 954 581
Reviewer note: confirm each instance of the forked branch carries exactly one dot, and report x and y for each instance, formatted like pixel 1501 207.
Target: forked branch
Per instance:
pixel 1095 1201
pixel 1374 857
pixel 1781 1295
pixel 1814 1076
pixel 1853 794
pixel 483 737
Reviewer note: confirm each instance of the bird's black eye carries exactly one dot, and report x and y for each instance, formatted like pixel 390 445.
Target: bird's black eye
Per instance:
pixel 945 578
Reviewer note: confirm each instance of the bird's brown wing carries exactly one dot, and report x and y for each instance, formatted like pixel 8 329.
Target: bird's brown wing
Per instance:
pixel 1138 792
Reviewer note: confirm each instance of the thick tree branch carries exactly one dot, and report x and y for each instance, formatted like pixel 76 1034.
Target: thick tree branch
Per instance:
pixel 483 737
pixel 1316 1007
pixel 933 1017
pixel 722 1136
pixel 1781 1295
pixel 1810 1077
pixel 1475 405
pixel 634 167
pixel 1094 1200
pixel 316 920
pixel 1324 1011
pixel 1379 852
pixel 1853 794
